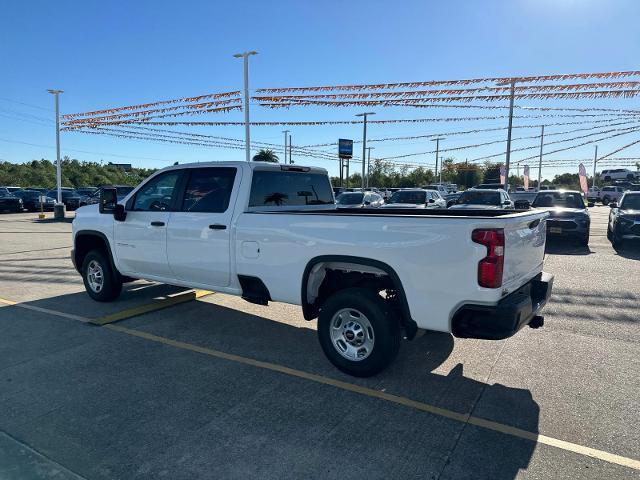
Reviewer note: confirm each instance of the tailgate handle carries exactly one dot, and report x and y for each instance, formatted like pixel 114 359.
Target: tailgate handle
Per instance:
pixel 157 224
pixel 217 226
pixel 534 224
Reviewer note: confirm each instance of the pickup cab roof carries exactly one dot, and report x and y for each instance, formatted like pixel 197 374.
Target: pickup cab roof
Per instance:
pixel 252 165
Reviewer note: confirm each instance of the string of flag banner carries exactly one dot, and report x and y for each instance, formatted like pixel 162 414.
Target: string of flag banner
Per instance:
pixel 429 83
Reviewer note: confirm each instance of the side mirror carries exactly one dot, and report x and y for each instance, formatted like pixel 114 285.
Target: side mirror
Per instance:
pixel 613 205
pixel 367 202
pixel 591 204
pixel 431 200
pixel 522 205
pixel 108 200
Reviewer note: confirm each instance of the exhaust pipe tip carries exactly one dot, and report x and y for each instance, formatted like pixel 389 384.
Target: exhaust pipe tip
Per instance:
pixel 537 321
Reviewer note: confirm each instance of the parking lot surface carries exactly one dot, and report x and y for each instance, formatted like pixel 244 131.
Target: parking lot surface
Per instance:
pixel 169 383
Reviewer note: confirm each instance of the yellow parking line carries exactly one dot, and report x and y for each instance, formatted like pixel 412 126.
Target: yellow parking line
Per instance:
pixel 442 412
pixel 151 307
pixel 69 316
pixel 369 392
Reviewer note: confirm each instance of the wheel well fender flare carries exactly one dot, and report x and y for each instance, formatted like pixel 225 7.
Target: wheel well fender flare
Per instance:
pixel 309 310
pixel 80 254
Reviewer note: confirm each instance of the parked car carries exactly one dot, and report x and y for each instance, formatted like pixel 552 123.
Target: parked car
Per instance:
pixel 71 199
pixel 38 189
pixel 611 194
pixel 87 191
pixel 624 219
pixel 31 200
pixel 483 200
pixel 594 194
pixel 568 215
pixel 294 246
pixel 441 189
pixel 12 189
pixel 619 174
pixel 359 200
pixel 416 198
pixel 492 186
pixel 451 198
pixel 9 202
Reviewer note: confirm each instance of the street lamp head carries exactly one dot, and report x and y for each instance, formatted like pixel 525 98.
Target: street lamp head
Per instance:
pixel 245 54
pixel 365 114
pixel 54 92
pixel 437 139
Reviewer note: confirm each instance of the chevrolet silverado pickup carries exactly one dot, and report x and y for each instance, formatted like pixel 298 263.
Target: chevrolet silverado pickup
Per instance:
pixel 270 232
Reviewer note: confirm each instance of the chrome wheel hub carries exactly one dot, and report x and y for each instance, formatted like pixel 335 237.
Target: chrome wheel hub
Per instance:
pixel 352 334
pixel 95 276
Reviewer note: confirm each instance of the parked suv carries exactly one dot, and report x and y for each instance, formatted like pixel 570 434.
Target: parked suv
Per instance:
pixel 619 174
pixel 568 215
pixel 611 194
pixel 624 219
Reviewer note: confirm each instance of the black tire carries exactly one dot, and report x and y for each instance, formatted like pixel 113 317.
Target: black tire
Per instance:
pixel 605 200
pixel 616 240
pixel 609 234
pixel 111 280
pixel 385 332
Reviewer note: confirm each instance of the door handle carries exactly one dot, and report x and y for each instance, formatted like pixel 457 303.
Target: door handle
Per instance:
pixel 157 224
pixel 217 226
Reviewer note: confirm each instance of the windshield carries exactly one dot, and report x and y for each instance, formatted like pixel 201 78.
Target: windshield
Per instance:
pixel 631 202
pixel 559 199
pixel 479 198
pixel 413 197
pixel 349 198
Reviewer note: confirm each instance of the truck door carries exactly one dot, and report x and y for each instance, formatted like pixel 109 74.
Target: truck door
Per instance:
pixel 141 239
pixel 199 231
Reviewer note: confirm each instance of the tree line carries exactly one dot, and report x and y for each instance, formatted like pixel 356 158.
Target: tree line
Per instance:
pixel 75 173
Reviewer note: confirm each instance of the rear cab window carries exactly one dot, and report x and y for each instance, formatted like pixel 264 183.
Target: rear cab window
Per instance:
pixel 276 189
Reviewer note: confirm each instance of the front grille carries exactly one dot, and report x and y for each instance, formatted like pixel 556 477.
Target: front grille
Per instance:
pixel 563 224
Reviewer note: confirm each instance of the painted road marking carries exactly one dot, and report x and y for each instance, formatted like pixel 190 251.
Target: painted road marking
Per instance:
pixel 69 316
pixel 164 302
pixel 407 402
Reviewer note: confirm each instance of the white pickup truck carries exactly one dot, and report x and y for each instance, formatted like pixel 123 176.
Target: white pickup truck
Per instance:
pixel 271 232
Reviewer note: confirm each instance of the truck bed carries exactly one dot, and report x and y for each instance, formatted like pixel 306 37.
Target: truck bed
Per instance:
pixel 403 212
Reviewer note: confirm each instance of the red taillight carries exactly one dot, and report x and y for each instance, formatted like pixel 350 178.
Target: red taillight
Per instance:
pixel 490 267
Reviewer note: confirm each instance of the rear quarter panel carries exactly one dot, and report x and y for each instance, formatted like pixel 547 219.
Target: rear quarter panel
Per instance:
pixel 434 257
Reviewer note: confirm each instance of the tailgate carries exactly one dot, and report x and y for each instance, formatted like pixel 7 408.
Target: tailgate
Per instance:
pixel 524 249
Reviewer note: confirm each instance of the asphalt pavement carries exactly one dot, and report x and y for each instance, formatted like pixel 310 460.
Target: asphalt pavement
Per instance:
pixel 206 385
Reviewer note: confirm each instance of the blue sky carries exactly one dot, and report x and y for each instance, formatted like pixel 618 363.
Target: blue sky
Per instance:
pixel 107 54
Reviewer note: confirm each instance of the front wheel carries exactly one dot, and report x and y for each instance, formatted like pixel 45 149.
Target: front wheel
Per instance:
pixel 584 240
pixel 357 332
pixel 605 201
pixel 102 282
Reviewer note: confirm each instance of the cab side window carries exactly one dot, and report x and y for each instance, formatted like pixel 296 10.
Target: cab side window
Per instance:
pixel 208 189
pixel 157 195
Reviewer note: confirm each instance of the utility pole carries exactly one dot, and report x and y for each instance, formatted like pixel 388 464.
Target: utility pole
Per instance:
pixel 540 161
pixel 290 150
pixel 595 161
pixel 369 163
pixel 347 173
pixel 364 143
pixel 511 97
pixel 247 136
pixel 437 140
pixel 57 93
pixel 285 145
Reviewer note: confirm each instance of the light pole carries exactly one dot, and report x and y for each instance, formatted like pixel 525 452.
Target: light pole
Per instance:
pixel 285 145
pixel 540 161
pixel 364 142
pixel 595 161
pixel 369 163
pixel 57 93
pixel 437 140
pixel 247 136
pixel 512 94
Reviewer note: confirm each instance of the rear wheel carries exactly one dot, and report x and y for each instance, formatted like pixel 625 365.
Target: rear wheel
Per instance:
pixel 357 332
pixel 100 280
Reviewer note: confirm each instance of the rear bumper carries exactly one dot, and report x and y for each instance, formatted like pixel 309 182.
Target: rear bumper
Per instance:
pixel 503 320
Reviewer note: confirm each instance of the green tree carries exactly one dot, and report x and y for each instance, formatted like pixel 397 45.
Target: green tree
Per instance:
pixel 266 155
